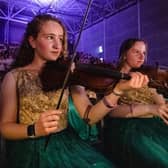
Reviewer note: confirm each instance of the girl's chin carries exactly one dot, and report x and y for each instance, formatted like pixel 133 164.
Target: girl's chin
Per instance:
pixel 137 66
pixel 53 58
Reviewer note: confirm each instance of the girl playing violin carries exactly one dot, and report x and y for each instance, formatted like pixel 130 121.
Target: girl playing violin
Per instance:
pixel 136 133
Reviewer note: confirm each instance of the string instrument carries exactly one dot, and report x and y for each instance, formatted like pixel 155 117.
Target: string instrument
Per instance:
pixel 97 77
pixel 93 77
pixel 158 78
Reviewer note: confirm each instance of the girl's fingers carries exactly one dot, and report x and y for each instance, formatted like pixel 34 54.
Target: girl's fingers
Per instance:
pixel 51 124
pixel 52 112
pixel 165 121
pixel 146 80
pixel 164 118
pixel 48 122
pixel 52 118
pixel 163 111
pixel 51 115
pixel 137 80
pixel 52 129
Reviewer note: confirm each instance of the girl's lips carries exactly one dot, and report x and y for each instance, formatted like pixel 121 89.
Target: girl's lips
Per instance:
pixel 55 52
pixel 140 61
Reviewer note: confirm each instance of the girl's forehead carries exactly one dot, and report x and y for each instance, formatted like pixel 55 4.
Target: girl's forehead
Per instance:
pixel 139 43
pixel 51 26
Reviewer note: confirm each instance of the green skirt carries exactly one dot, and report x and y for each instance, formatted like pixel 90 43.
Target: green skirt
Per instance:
pixel 137 142
pixel 87 132
pixel 65 150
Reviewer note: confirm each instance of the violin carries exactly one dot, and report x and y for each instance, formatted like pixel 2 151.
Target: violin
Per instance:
pixel 158 78
pixel 93 77
pixel 96 77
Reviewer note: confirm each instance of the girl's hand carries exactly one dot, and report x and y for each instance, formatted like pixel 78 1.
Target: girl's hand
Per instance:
pixel 48 122
pixel 162 112
pixel 137 80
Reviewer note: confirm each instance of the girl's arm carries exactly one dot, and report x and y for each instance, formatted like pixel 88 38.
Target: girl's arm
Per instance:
pixel 134 110
pixel 9 110
pixel 141 110
pixel 47 123
pixel 101 108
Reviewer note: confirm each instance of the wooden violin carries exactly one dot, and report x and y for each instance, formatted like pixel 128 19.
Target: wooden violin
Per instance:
pixel 97 77
pixel 94 77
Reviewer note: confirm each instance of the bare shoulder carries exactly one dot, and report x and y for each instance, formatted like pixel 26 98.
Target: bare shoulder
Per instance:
pixel 9 79
pixel 10 76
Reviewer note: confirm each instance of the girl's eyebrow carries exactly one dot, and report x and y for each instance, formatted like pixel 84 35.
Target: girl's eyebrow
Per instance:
pixel 46 34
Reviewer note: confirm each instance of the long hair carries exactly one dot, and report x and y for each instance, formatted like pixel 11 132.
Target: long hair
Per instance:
pixel 25 53
pixel 125 46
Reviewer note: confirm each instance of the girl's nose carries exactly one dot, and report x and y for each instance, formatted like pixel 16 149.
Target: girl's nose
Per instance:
pixel 142 56
pixel 57 43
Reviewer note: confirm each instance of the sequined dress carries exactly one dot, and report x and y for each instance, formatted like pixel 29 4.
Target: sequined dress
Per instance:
pixel 137 142
pixel 65 148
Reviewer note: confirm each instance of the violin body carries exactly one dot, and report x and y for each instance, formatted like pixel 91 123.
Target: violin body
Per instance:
pixel 158 78
pixel 53 75
pixel 92 77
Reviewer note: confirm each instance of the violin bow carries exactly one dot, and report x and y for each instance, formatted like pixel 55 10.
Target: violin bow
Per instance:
pixel 72 60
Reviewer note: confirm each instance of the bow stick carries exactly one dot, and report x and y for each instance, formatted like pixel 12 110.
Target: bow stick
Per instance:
pixel 69 68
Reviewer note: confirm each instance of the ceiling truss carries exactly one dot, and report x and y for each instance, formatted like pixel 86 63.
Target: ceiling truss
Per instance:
pixel 71 12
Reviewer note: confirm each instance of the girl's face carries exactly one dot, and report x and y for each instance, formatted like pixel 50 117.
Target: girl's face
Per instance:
pixel 49 43
pixel 135 56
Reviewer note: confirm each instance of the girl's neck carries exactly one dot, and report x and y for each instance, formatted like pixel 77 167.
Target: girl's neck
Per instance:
pixel 35 65
pixel 126 69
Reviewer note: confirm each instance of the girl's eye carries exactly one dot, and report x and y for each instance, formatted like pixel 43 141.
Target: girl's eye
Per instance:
pixel 136 51
pixel 61 40
pixel 50 37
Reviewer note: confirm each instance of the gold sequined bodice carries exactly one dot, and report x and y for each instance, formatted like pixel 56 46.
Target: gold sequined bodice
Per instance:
pixel 137 96
pixel 33 100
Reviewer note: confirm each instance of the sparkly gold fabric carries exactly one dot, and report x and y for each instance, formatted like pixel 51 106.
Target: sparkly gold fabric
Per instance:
pixel 33 100
pixel 137 96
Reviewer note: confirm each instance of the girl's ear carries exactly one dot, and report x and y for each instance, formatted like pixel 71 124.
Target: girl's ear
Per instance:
pixel 32 42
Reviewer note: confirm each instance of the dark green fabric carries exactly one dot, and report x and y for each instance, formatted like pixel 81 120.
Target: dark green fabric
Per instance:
pixel 65 150
pixel 137 142
pixel 86 132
